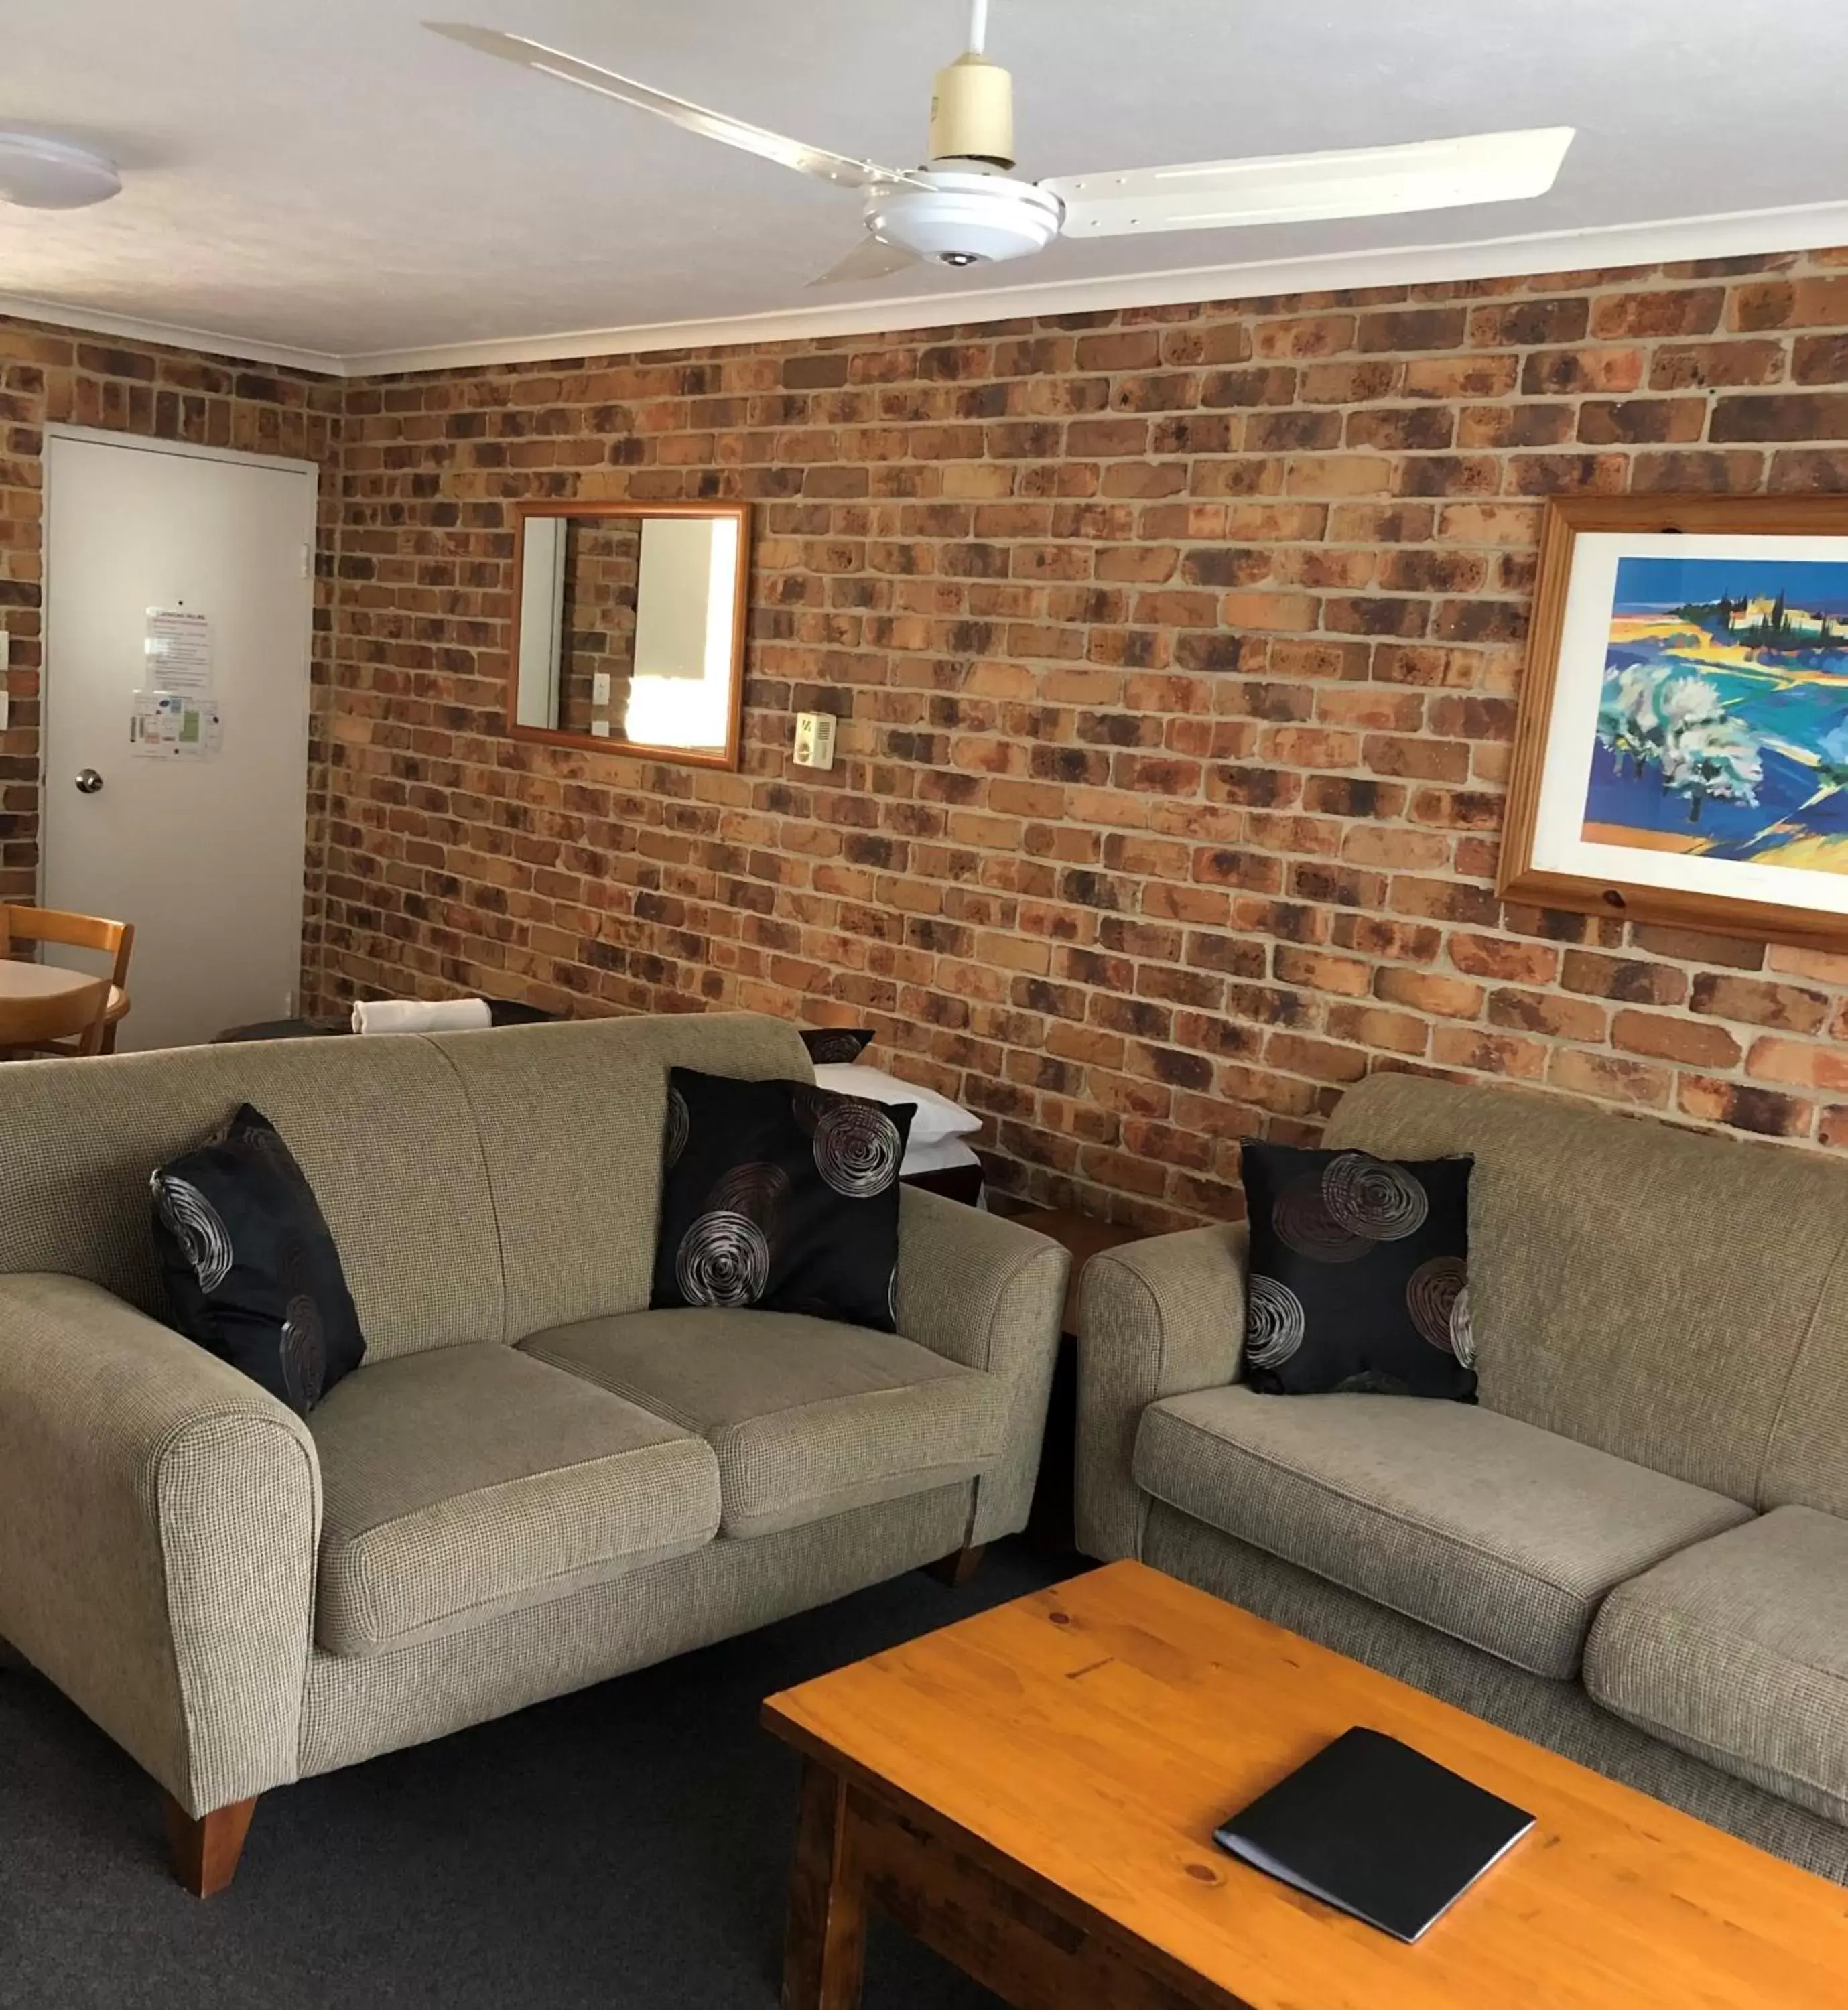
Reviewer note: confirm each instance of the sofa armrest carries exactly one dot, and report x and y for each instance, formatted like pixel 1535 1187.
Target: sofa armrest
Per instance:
pixel 1155 1318
pixel 159 1518
pixel 983 1291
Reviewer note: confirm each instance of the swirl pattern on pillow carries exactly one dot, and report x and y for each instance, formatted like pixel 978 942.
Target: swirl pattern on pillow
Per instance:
pixel 250 1267
pixel 195 1224
pixel 1359 1274
pixel 781 1196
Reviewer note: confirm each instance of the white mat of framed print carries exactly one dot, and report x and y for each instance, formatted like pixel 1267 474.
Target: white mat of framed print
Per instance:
pixel 1683 747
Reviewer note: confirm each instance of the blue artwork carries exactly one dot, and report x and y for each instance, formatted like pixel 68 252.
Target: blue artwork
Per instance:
pixel 1722 725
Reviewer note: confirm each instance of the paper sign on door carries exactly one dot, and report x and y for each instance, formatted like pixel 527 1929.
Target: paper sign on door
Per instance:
pixel 178 649
pixel 165 724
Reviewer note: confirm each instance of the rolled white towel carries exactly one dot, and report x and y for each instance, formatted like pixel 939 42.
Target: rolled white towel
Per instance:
pixel 415 1015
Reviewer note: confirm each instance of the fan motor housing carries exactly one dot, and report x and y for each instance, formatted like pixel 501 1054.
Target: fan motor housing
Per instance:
pixel 971 112
pixel 965 218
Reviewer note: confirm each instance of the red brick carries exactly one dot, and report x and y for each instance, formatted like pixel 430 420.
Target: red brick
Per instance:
pixel 1561 372
pixel 1742 1107
pixel 1546 1012
pixel 1508 962
pixel 1819 966
pixel 1671 1039
pixel 1411 329
pixel 1815 359
pixel 1634 983
pixel 1788 1007
pixel 1489 1053
pixel 1608 1077
pixel 1808 1064
pixel 1449 997
pixel 1690 945
pixel 1677 311
pixel 1372 1026
pixel 1642 419
pixel 1697 365
pixel 1780 415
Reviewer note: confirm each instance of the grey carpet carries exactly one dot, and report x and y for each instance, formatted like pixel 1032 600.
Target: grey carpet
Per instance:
pixel 624 1849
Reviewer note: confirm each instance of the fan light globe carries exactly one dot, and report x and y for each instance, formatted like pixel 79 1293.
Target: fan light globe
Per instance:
pixel 39 172
pixel 965 219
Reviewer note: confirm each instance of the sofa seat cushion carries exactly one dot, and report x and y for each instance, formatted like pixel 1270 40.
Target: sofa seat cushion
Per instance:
pixel 809 1417
pixel 1737 1650
pixel 1486 1528
pixel 471 1481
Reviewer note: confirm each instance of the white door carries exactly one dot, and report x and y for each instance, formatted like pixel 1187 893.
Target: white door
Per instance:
pixel 204 852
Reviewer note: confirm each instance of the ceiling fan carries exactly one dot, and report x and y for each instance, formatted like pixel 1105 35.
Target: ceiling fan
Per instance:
pixel 967 207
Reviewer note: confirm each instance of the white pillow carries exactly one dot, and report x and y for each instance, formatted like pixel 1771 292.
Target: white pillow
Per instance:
pixel 937 1116
pixel 943 1156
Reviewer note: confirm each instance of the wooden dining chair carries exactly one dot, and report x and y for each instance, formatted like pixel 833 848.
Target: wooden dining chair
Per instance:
pixel 68 1022
pixel 114 940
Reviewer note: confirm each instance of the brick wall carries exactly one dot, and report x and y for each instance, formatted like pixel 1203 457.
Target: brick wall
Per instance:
pixel 1175 651
pixel 48 376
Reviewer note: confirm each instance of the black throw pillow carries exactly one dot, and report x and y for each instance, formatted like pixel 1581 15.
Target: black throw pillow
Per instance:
pixel 839 1046
pixel 782 1196
pixel 1358 1274
pixel 252 1274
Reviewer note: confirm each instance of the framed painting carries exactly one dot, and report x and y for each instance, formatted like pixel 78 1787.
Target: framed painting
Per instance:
pixel 1682 754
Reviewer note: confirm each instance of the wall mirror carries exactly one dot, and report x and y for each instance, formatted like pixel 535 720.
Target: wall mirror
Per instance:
pixel 629 628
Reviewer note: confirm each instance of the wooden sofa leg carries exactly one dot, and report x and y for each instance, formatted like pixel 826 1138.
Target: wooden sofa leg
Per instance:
pixel 956 1571
pixel 206 1848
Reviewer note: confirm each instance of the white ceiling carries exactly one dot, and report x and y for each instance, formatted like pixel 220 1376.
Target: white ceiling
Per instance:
pixel 324 181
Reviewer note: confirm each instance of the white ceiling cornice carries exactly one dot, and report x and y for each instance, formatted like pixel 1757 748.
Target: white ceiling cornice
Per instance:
pixel 197 341
pixel 1809 226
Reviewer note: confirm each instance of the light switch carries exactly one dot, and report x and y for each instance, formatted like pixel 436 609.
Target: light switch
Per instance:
pixel 599 687
pixel 814 739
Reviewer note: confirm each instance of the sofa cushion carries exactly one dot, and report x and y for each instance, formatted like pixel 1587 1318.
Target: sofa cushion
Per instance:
pixel 1485 1528
pixel 471 1481
pixel 1358 1269
pixel 809 1417
pixel 251 1272
pixel 1737 1650
pixel 780 1195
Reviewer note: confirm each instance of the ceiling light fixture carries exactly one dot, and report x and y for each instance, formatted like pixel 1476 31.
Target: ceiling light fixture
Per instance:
pixel 39 172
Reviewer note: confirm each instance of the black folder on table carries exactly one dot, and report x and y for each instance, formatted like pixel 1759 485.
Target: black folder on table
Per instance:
pixel 1377 1830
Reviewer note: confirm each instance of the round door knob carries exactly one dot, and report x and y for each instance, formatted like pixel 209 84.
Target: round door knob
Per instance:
pixel 89 781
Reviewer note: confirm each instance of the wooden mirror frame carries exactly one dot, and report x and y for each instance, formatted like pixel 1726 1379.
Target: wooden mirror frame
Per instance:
pixel 738 513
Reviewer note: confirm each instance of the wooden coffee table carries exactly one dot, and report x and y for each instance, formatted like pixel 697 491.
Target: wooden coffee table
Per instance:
pixel 1033 1793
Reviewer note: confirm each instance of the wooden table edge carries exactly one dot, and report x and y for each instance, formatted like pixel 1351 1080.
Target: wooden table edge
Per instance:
pixel 1189 1984
pixel 817 1752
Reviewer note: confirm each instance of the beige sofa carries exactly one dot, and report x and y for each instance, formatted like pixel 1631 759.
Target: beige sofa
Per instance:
pixel 533 1482
pixel 1634 1551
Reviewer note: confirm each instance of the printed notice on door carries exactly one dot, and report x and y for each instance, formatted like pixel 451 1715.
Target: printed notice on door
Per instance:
pixel 178 649
pixel 169 724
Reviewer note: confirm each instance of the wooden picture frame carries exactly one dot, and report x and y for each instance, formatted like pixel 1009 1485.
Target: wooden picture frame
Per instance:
pixel 727 757
pixel 1686 762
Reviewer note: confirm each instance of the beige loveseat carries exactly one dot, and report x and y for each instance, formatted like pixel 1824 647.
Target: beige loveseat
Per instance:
pixel 1634 1551
pixel 533 1482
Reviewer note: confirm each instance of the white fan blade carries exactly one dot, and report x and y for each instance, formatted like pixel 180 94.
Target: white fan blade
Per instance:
pixel 1297 188
pixel 872 258
pixel 830 167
